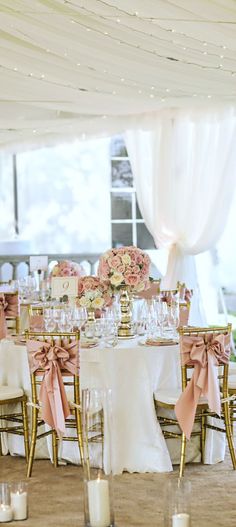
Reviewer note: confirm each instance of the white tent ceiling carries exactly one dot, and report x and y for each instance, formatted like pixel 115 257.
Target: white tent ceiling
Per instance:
pixel 68 67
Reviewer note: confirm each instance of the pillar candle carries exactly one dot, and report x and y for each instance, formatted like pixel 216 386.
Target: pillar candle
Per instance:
pixel 5 513
pixel 98 502
pixel 181 520
pixel 19 505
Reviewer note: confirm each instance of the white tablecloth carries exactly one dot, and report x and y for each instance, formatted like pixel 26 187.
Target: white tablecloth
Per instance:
pixel 133 373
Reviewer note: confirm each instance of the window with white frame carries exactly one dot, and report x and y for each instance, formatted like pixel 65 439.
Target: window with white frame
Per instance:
pixel 127 224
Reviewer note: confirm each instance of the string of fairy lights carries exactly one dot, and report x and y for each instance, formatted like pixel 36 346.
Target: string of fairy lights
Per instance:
pixel 135 30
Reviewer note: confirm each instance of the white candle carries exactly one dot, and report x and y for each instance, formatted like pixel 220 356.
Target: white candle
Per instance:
pixel 181 520
pixel 19 505
pixel 98 503
pixel 5 513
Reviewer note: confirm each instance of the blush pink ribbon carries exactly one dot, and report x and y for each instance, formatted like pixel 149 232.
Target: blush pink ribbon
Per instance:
pixel 3 324
pixel 9 307
pixel 53 359
pixel 36 322
pixel 183 314
pixel 205 356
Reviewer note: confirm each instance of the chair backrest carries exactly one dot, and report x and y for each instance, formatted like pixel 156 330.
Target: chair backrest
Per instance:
pixel 54 364
pixel 184 309
pixel 153 290
pixel 35 316
pixel 197 339
pixel 207 350
pixel 12 312
pixel 54 339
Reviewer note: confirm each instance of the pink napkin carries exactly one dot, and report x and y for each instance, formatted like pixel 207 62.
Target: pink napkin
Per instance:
pixel 53 358
pixel 205 355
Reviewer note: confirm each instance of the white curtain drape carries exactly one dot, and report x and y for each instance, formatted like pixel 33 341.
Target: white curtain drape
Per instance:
pixel 184 166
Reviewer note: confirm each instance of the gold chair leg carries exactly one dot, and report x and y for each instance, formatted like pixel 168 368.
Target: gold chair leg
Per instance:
pixel 33 441
pixel 54 449
pixel 0 445
pixel 228 429
pixel 231 420
pixel 25 429
pixel 203 436
pixel 79 434
pixel 182 456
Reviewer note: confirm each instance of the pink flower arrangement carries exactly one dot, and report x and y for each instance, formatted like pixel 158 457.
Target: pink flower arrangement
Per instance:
pixel 67 268
pixel 127 266
pixel 93 294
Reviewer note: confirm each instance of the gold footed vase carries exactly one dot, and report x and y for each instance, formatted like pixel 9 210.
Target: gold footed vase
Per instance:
pixel 90 315
pixel 125 327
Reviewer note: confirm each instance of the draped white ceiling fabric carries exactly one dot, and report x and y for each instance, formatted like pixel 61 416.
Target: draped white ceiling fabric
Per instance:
pixel 185 174
pixel 76 67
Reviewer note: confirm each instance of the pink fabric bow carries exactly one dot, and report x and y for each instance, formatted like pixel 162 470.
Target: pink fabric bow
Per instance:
pixel 52 359
pixel 183 314
pixel 3 324
pixel 9 307
pixel 205 356
pixel 36 323
pixel 12 308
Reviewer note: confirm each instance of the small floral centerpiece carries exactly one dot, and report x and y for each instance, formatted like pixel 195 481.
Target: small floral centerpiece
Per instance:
pixel 125 266
pixel 93 293
pixel 67 268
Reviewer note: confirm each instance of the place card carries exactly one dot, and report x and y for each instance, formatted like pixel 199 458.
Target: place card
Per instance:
pixel 38 263
pixel 66 285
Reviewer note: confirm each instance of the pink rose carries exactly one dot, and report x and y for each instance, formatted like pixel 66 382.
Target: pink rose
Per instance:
pixel 114 262
pixel 65 272
pixel 103 269
pixel 121 268
pixel 131 279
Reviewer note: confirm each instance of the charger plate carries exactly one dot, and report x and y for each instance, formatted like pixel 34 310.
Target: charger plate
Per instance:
pixel 88 343
pixel 158 342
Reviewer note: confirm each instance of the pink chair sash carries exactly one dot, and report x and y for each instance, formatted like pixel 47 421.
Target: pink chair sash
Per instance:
pixel 12 309
pixel 183 314
pixel 53 358
pixel 9 307
pixel 3 324
pixel 205 355
pixel 36 323
pixel 147 294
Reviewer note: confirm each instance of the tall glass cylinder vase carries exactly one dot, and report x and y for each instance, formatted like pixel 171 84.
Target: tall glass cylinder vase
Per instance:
pixel 97 444
pixel 177 503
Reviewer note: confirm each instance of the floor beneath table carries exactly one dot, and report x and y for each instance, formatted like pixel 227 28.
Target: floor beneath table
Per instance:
pixel 56 495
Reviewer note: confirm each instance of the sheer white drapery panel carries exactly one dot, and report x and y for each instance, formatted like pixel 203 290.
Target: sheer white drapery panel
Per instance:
pixel 74 67
pixel 185 174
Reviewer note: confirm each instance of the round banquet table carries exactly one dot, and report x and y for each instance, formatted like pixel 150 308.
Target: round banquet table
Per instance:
pixel 134 373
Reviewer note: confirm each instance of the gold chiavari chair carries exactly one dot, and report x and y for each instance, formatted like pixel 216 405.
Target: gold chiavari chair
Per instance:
pixel 184 300
pixel 10 396
pixel 12 312
pixel 215 341
pixel 51 345
pixel 35 317
pixel 153 290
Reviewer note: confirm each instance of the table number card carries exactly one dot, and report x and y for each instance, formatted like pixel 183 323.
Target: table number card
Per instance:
pixel 66 285
pixel 38 263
